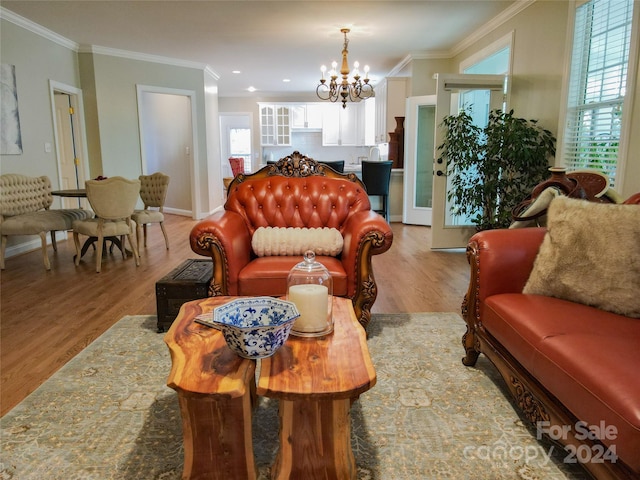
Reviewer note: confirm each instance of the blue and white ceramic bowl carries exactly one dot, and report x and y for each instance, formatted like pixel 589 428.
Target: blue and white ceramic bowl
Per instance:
pixel 255 327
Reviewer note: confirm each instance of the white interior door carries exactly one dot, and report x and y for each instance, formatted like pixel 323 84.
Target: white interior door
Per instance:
pixel 484 93
pixel 420 129
pixel 66 154
pixel 167 145
pixel 70 151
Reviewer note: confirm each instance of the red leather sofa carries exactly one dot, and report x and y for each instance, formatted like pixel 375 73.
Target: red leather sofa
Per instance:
pixel 573 369
pixel 296 191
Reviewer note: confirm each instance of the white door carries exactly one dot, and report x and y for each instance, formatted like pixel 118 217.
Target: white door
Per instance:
pixel 484 93
pixel 69 147
pixel 167 145
pixel 420 129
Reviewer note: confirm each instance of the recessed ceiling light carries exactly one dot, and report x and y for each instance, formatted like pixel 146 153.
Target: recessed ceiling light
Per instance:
pixel 252 89
pixel 286 80
pixel 236 71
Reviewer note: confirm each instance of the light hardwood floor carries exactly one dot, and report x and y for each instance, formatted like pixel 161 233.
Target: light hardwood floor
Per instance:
pixel 46 318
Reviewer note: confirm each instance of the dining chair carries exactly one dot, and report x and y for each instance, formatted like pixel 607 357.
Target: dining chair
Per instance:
pixel 337 165
pixel 112 200
pixel 237 165
pixel 153 192
pixel 376 177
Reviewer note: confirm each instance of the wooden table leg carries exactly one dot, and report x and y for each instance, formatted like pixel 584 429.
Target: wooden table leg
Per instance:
pixel 217 436
pixel 315 441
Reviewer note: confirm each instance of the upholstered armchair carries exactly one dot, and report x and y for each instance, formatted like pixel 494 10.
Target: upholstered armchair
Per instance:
pixel 287 199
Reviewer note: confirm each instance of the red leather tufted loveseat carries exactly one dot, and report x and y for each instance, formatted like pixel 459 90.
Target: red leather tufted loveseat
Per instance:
pixel 296 191
pixel 571 368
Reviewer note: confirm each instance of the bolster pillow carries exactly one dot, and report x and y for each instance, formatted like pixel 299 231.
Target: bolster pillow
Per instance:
pixel 273 241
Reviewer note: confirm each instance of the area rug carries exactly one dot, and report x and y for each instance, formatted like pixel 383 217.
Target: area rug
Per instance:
pixel 108 413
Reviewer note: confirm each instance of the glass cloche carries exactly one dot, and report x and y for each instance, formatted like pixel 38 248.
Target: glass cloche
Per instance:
pixel 310 287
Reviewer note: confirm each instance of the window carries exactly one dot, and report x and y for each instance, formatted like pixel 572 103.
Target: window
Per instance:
pixel 597 85
pixel 496 63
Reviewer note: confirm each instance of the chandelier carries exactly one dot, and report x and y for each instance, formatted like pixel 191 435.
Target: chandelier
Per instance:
pixel 356 90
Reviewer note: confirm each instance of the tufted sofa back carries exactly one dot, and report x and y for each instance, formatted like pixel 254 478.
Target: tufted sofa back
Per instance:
pixel 312 201
pixel 20 194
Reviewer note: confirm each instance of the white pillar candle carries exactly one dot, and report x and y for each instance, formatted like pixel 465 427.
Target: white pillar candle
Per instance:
pixel 312 302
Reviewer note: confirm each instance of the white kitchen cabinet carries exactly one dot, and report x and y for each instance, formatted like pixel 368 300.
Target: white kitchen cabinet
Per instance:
pixel 391 94
pixel 307 116
pixel 370 121
pixel 275 125
pixel 343 126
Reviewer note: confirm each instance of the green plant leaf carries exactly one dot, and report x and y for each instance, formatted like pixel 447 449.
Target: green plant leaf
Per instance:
pixel 493 169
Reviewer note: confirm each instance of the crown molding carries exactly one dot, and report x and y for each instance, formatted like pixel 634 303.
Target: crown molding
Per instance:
pixel 143 57
pixel 209 71
pixel 417 56
pixel 16 19
pixel 491 25
pixel 400 66
pixel 71 45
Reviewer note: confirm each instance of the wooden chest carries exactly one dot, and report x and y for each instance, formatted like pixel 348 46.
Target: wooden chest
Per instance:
pixel 189 281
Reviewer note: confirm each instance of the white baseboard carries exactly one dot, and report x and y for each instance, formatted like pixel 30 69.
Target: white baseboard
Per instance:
pixel 32 244
pixel 177 211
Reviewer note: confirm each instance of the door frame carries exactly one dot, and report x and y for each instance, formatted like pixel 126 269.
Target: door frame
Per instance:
pixel 456 236
pixel 412 214
pixel 79 127
pixel 194 156
pixel 225 126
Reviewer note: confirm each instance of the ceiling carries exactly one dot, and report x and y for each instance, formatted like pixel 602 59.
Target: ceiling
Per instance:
pixel 269 41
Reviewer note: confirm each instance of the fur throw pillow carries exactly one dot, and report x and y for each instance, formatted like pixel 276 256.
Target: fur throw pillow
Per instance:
pixel 269 241
pixel 590 255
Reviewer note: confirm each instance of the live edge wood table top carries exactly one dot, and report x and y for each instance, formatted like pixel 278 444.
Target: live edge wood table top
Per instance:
pixel 335 366
pixel 315 380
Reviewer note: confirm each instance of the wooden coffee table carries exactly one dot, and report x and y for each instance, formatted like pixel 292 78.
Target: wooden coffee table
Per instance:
pixel 316 380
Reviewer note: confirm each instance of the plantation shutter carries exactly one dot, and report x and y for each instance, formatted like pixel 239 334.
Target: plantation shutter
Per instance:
pixel 597 85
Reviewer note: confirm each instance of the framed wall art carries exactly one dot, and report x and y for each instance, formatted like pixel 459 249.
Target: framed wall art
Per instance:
pixel 10 135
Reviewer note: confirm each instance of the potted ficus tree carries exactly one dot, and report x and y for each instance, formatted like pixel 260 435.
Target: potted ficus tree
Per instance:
pixel 492 169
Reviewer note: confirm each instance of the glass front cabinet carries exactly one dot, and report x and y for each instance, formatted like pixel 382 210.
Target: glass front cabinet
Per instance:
pixel 275 125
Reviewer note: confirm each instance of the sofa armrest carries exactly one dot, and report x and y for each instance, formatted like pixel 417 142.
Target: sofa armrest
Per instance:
pixel 365 234
pixel 500 261
pixel 225 238
pixel 633 199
